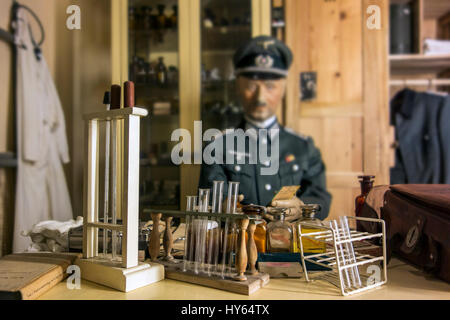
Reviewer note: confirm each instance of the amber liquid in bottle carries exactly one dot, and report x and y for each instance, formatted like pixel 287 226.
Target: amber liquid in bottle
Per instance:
pixel 259 236
pixel 309 245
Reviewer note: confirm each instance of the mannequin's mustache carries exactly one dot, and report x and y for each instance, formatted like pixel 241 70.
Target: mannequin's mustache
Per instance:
pixel 259 104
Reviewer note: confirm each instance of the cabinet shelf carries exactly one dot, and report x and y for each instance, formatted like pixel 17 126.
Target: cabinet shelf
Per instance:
pixel 406 64
pixel 167 166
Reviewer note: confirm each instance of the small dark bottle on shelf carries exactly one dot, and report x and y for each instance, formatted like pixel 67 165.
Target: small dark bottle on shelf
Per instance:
pixel 161 72
pixel 161 19
pixel 366 183
pixel 151 74
pixel 132 18
pixel 148 19
pixel 174 17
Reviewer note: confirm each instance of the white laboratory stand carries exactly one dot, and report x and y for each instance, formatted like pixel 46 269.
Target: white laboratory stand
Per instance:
pixel 119 271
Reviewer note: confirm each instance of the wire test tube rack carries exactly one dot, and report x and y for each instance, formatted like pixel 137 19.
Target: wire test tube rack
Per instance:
pixel 346 251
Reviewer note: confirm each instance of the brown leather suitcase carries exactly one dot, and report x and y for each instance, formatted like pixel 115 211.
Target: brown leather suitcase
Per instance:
pixel 418 226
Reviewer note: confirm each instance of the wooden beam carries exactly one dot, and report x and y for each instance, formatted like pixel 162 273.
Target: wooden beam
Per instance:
pixel 377 140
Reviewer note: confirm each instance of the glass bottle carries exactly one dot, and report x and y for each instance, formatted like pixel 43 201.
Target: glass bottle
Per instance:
pixel 161 72
pixel 161 19
pixel 174 17
pixel 308 216
pixel 148 17
pixel 261 235
pixel 151 73
pixel 261 226
pixel 139 18
pixel 132 18
pixel 366 183
pixel 279 234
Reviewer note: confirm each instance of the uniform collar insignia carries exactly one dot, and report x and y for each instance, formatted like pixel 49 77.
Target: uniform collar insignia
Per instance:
pixel 289 158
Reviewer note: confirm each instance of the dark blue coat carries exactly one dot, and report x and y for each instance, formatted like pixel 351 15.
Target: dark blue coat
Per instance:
pixel 422 131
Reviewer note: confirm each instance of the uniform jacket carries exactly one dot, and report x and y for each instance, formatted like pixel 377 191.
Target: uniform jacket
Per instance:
pixel 300 163
pixel 422 132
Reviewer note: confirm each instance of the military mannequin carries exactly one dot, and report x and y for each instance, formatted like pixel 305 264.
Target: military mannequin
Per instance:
pixel 261 68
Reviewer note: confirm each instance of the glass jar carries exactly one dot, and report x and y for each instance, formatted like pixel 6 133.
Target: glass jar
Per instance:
pixel 261 226
pixel 308 216
pixel 279 233
pixel 261 235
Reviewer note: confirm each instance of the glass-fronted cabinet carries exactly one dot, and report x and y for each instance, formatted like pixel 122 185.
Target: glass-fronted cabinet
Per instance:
pixel 153 56
pixel 225 26
pixel 179 54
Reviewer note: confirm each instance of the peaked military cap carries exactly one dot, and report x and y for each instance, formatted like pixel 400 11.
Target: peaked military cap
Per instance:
pixel 263 57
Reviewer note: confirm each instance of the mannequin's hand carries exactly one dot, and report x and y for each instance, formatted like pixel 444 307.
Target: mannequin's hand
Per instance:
pixel 294 211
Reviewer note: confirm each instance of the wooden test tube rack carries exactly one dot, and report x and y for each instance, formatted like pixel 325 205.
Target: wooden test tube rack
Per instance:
pixel 246 280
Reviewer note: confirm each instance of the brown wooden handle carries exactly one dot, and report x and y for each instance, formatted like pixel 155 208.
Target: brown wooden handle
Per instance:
pixel 168 239
pixel 252 251
pixel 128 94
pixel 154 243
pixel 116 92
pixel 241 253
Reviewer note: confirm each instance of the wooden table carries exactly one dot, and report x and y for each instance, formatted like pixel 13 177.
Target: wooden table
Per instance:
pixel 404 282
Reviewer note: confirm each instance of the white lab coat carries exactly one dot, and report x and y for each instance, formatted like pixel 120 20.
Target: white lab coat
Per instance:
pixel 41 190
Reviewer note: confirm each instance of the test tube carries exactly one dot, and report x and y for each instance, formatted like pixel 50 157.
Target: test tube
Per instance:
pixel 217 197
pixel 216 207
pixel 192 229
pixel 233 189
pixel 340 253
pixel 351 253
pixel 202 228
pixel 234 192
pixel 191 202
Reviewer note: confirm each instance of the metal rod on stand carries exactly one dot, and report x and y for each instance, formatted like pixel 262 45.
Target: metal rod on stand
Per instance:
pixel 107 103
pixel 115 104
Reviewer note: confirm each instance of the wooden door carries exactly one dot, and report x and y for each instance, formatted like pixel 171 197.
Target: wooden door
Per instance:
pixel 348 119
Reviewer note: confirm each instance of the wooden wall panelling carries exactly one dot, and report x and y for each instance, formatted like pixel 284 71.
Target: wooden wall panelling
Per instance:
pixel 433 9
pixel 326 37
